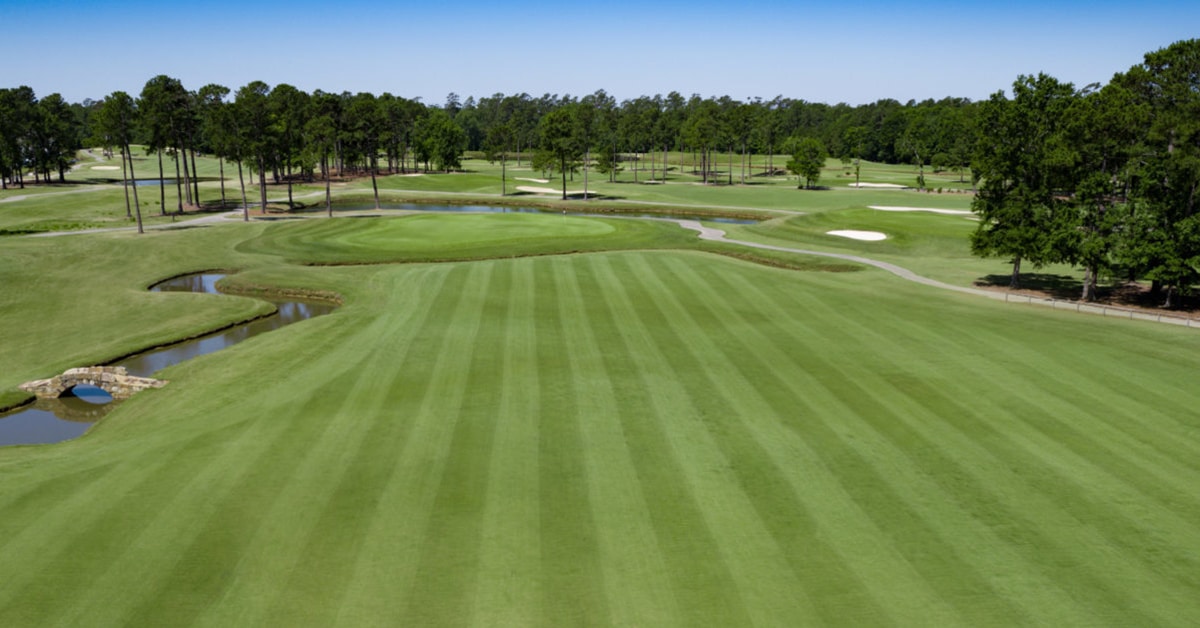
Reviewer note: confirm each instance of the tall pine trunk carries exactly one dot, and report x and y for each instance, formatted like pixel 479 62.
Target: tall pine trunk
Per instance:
pixel 162 186
pixel 262 184
pixel 245 202
pixel 731 164
pixel 125 181
pixel 179 187
pixel 195 180
pixel 136 207
pixel 1015 281
pixel 221 164
pixel 373 164
pixel 328 195
pixel 563 163
pixel 1089 283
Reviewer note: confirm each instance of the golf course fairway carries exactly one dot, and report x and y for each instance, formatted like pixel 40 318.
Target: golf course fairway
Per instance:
pixel 537 436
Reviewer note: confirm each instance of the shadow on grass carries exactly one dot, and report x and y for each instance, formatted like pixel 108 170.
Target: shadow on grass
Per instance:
pixel 1066 288
pixel 1056 286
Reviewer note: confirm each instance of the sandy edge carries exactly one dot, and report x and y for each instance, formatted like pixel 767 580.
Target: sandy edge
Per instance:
pixel 952 212
pixel 854 234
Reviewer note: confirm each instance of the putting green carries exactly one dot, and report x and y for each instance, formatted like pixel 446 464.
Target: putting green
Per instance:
pixel 425 237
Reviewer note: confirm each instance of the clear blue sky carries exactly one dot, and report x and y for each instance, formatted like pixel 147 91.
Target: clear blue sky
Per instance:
pixel 828 51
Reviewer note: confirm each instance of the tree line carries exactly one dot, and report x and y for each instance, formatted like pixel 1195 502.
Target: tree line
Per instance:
pixel 288 134
pixel 1105 178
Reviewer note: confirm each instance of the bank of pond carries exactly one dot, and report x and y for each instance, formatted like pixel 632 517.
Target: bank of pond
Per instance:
pixel 69 416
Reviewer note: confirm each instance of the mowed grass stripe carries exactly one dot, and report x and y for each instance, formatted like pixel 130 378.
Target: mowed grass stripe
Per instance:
pixel 955 478
pixel 75 532
pixel 627 503
pixel 507 585
pixel 163 561
pixel 761 578
pixel 1089 484
pixel 1114 431
pixel 282 504
pixel 396 482
pixel 355 468
pixel 1123 434
pixel 1029 516
pixel 707 388
pixel 383 582
pixel 697 555
pixel 448 565
pixel 875 469
pixel 178 486
pixel 572 574
pixel 832 545
pixel 276 505
pixel 1115 459
pixel 1148 415
pixel 930 454
pixel 989 496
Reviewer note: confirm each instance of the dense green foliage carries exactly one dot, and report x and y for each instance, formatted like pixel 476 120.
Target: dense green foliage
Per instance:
pixel 1104 177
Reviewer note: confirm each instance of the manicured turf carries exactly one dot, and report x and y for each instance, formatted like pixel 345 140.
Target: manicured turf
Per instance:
pixel 632 437
pixel 469 236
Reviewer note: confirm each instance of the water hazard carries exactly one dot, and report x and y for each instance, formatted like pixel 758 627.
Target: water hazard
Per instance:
pixel 69 416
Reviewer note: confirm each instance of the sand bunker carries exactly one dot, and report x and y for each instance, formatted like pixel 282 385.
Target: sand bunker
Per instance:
pixel 533 180
pixel 870 236
pixel 534 190
pixel 953 212
pixel 888 186
pixel 106 167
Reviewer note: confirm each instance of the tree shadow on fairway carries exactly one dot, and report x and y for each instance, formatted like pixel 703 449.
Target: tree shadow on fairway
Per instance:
pixel 1056 286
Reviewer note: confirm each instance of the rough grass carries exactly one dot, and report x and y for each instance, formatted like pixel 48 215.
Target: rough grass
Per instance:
pixel 635 437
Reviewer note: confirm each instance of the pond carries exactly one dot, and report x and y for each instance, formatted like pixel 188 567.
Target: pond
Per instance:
pixel 55 420
pixel 149 182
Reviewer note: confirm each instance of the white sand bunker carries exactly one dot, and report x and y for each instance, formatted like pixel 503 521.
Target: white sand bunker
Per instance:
pixel 106 167
pixel 870 236
pixel 888 186
pixel 533 180
pixel 534 190
pixel 952 212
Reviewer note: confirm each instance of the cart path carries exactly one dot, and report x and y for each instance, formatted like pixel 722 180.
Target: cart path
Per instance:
pixel 718 235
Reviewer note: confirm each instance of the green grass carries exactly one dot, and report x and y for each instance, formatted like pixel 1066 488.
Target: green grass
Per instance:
pixel 90 199
pixel 637 437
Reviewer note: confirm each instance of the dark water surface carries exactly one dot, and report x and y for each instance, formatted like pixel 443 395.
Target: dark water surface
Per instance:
pixel 55 420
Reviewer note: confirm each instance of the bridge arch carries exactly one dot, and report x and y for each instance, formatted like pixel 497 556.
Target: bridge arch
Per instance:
pixel 114 380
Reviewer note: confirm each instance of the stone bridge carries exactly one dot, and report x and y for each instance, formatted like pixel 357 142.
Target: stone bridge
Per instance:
pixel 114 380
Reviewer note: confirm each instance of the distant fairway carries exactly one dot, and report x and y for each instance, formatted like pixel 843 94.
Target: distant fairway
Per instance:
pixel 632 438
pixel 426 237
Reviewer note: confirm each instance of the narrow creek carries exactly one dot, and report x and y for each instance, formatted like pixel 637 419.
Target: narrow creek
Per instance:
pixel 55 420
